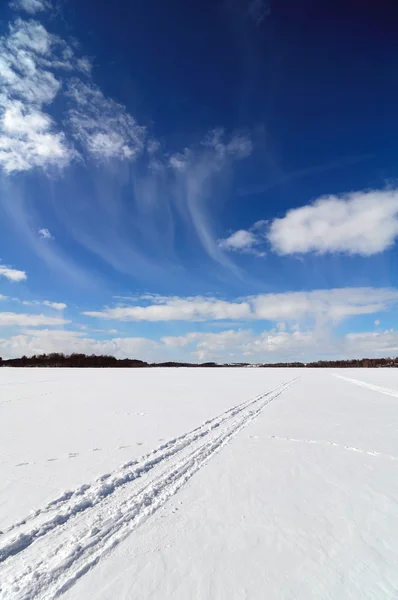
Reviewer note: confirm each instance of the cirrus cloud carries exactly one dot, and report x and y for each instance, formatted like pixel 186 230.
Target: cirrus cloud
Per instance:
pixel 101 125
pixel 30 6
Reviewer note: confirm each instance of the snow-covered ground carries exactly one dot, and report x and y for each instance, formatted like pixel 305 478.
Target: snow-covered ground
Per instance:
pixel 199 484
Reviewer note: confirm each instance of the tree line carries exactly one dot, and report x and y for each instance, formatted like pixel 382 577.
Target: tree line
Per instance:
pixel 77 360
pixel 56 359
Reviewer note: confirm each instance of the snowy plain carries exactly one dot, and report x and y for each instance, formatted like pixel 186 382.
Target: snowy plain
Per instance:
pixel 199 484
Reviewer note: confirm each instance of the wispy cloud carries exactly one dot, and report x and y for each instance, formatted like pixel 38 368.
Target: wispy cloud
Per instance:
pixel 282 178
pixel 12 274
pixel 31 6
pixel 152 198
pixel 259 10
pixel 197 172
pixel 363 223
pixel 101 125
pixel 166 191
pixel 24 218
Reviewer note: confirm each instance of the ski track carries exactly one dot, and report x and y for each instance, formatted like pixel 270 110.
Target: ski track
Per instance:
pixel 370 386
pixel 125 474
pixel 71 543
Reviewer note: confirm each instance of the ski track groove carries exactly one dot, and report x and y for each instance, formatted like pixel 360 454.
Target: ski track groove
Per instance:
pixel 50 573
pixel 370 386
pixel 335 445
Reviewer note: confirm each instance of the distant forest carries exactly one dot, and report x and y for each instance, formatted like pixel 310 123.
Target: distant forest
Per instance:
pixel 83 360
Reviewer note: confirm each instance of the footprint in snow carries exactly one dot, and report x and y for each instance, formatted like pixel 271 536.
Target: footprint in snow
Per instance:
pixel 51 459
pixel 96 449
pixel 139 443
pixel 22 464
pixel 73 454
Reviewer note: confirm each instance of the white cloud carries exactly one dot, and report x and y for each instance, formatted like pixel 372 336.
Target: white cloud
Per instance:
pixel 12 274
pixel 210 345
pixel 27 43
pixel 84 65
pixel 225 346
pixel 333 305
pixel 8 319
pixel 244 345
pixel 274 345
pixel 45 234
pixel 282 343
pixel 103 126
pixel 377 322
pixel 245 240
pixel 24 146
pixel 363 223
pixel 368 344
pixel 30 6
pixel 45 341
pixel 54 305
pixel 240 240
pixel 177 309
pixel 28 135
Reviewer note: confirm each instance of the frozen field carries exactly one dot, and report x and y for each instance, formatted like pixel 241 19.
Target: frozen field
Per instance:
pixel 199 484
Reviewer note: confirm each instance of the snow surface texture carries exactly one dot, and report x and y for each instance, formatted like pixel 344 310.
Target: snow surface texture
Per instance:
pixel 184 483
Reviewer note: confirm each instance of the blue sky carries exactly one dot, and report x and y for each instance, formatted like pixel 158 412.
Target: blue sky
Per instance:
pixel 198 181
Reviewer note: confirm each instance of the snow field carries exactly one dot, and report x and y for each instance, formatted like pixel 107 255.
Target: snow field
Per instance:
pixel 288 490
